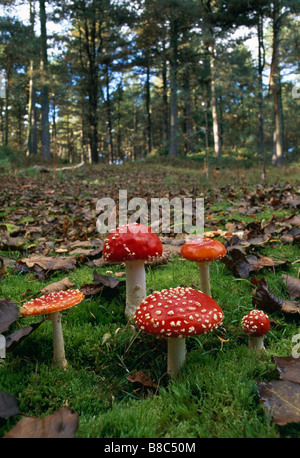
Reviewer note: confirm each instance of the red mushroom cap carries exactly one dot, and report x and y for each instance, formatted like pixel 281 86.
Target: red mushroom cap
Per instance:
pixel 54 302
pixel 256 323
pixel 131 242
pixel 178 312
pixel 203 250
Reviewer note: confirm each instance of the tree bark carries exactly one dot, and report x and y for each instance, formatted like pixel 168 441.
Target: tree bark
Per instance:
pixel 275 86
pixel 31 128
pixel 213 102
pixel 45 90
pixel 173 83
pixel 109 118
pixel 261 64
pixel 165 101
pixel 7 101
pixel 148 109
pixel 187 125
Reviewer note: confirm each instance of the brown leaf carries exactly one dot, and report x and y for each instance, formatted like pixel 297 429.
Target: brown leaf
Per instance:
pixel 292 285
pixel 140 377
pixel 265 300
pixel 63 423
pixel 8 405
pixel 282 399
pixel 8 313
pixel 288 368
pixel 61 285
pixel 18 336
pixel 42 266
pixel 105 280
pixel 236 260
pixel 49 263
pixel 165 258
pixel 100 282
pixel 3 271
pixel 8 242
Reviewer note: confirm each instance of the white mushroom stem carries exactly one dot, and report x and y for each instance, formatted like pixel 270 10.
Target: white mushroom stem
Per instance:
pixel 58 340
pixel 176 355
pixel 204 277
pixel 135 286
pixel 256 343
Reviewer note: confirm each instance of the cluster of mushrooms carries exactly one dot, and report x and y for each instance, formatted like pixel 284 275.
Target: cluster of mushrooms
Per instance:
pixel 173 314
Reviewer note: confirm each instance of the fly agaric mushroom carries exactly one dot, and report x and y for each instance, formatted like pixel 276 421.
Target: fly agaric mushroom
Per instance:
pixel 256 325
pixel 133 244
pixel 53 304
pixel 175 314
pixel 203 251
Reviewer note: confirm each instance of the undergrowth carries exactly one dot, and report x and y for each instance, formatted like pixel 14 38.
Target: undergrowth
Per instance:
pixel 215 394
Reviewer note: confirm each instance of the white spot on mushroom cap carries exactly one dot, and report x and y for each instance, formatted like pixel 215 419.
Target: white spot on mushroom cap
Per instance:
pixel 184 305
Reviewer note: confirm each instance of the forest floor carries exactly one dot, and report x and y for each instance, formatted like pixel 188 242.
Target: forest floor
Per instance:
pixel 116 384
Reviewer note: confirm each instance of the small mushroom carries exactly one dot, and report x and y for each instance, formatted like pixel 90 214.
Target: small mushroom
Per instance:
pixel 256 325
pixel 53 304
pixel 175 314
pixel 133 244
pixel 203 251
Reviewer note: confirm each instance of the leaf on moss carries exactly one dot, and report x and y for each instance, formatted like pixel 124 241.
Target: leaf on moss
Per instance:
pixel 8 405
pixel 265 300
pixel 8 313
pixel 63 423
pixel 142 378
pixel 282 399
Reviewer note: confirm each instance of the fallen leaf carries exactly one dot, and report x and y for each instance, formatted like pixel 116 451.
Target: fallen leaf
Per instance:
pixel 42 266
pixel 165 258
pixel 18 336
pixel 281 399
pixel 49 263
pixel 3 271
pixel 242 264
pixel 288 368
pixel 8 242
pixel 63 423
pixel 100 282
pixel 292 285
pixel 8 313
pixel 140 377
pixel 61 285
pixel 265 300
pixel 8 405
pixel 105 280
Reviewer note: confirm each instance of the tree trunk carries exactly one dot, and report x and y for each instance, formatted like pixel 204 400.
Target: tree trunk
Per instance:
pixel 173 83
pixel 165 101
pixel 187 125
pixel 148 110
pixel 109 120
pixel 119 135
pixel 7 101
pixel 31 128
pixel 214 110
pixel 261 64
pixel 45 91
pixel 91 52
pixel 275 86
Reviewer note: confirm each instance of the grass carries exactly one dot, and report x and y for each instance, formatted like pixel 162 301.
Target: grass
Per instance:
pixel 215 394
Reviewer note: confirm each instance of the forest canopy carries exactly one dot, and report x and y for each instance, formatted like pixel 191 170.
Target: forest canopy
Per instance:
pixel 110 81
